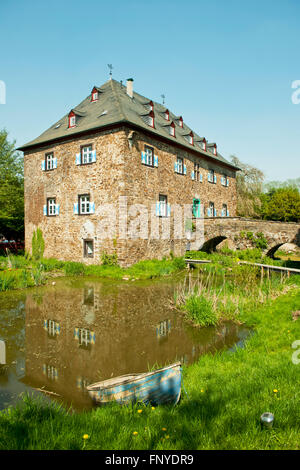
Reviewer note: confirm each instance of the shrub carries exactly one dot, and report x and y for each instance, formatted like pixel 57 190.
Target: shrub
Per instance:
pixel 260 241
pixel 109 260
pixel 50 264
pixel 179 263
pixel 38 244
pixel 200 310
pixel 72 268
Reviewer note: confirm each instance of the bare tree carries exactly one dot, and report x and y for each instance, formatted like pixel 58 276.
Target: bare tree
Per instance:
pixel 249 182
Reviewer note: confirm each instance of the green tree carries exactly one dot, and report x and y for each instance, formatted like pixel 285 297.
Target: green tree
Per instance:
pixel 249 185
pixel 281 204
pixel 11 188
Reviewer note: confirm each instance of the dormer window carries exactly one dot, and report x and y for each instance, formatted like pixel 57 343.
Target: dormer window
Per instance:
pixel 191 138
pixel 180 121
pixel 203 144
pixel 94 94
pixel 214 149
pixel 151 105
pixel 72 119
pixel 167 115
pixel 172 129
pixel 150 119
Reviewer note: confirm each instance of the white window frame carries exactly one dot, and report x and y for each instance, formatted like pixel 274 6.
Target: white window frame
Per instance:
pixel 224 210
pixel 172 131
pixel 51 327
pixel 72 121
pixel 50 161
pixel 95 96
pixel 84 337
pixel 163 205
pixel 149 152
pixel 212 209
pixel 211 174
pixel 86 154
pixel 51 206
pixel 180 165
pixel 84 204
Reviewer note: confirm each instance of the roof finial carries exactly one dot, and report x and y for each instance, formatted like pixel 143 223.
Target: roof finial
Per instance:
pixel 110 70
pixel 163 97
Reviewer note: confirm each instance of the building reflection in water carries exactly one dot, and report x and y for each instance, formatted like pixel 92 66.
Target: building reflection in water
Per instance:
pixel 83 332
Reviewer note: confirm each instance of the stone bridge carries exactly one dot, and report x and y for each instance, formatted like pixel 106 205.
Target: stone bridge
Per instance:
pixel 240 232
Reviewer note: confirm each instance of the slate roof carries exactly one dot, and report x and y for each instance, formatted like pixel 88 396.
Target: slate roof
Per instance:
pixel 114 106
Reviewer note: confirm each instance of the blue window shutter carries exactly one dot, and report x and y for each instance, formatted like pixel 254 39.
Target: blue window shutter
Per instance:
pixel 184 169
pixel 215 178
pixel 78 158
pixel 75 210
pixel 227 181
pixel 92 337
pixel 155 160
pixel 208 212
pixel 93 156
pixel 57 209
pixel 215 212
pixel 45 210
pixel 45 324
pixel 208 176
pixel 55 163
pixel 227 214
pixel 43 165
pixel 201 178
pixel 192 175
pixel 175 167
pixel 157 209
pixel 76 333
pixel 144 157
pixel 168 210
pixel 92 208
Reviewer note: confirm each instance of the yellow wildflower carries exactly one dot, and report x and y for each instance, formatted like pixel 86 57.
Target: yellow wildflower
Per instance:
pixel 167 437
pixel 140 411
pixel 153 408
pixel 164 429
pixel 135 433
pixel 85 436
pixel 275 391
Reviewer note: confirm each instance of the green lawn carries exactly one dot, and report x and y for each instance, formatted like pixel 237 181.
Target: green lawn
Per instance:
pixel 227 393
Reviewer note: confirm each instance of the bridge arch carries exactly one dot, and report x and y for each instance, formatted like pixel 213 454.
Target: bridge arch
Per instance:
pixel 210 245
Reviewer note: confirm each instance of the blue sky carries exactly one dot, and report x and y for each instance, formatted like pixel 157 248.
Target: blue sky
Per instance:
pixel 226 66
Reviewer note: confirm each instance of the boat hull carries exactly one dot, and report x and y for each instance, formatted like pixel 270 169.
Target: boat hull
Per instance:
pixel 158 387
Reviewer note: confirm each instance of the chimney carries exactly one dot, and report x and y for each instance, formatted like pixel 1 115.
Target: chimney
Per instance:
pixel 129 87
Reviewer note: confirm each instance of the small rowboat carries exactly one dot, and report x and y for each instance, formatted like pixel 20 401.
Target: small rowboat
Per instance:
pixel 156 387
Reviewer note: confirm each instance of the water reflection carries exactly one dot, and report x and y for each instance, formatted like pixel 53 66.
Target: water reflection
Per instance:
pixel 79 332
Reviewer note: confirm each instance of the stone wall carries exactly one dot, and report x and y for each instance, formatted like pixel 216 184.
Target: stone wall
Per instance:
pixel 119 179
pixel 235 231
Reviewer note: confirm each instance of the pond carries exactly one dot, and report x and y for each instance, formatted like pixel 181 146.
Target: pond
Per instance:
pixel 65 336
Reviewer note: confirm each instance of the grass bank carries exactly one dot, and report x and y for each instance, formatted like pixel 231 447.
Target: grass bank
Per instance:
pixel 17 272
pixel 225 291
pixel 227 393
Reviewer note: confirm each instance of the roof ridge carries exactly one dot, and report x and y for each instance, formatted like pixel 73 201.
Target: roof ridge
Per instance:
pixel 116 95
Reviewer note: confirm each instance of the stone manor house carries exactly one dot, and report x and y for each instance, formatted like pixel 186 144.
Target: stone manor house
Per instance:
pixel 117 150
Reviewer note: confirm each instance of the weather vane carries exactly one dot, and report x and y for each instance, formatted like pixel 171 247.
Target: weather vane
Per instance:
pixel 110 69
pixel 163 97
